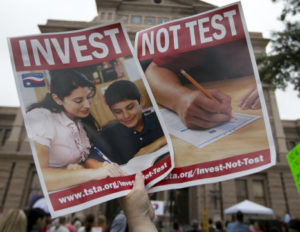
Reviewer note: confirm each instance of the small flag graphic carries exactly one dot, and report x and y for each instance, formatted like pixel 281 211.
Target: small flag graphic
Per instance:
pixel 33 80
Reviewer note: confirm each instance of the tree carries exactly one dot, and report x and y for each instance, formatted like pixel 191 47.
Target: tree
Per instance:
pixel 282 65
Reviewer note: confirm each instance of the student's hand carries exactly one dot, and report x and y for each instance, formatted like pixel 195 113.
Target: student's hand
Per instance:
pixel 74 166
pixel 92 163
pixel 137 207
pixel 107 170
pixel 152 147
pixel 198 111
pixel 250 100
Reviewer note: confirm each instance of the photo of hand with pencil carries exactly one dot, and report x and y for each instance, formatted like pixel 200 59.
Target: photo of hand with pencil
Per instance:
pixel 176 81
pixel 197 107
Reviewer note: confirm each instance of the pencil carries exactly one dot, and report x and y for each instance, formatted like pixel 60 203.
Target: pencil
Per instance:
pixel 102 155
pixel 200 87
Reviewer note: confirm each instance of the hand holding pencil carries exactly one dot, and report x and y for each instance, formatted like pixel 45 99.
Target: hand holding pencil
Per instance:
pixel 204 108
pixel 196 108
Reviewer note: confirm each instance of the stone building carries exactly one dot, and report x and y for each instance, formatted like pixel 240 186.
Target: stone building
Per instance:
pixel 273 187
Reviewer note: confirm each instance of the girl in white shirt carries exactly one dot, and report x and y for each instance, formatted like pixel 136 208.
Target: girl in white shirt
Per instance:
pixel 61 142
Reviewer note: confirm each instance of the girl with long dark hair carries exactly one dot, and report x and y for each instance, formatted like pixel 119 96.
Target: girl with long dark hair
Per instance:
pixel 61 142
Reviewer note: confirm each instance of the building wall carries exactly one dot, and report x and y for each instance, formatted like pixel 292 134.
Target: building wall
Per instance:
pixel 18 176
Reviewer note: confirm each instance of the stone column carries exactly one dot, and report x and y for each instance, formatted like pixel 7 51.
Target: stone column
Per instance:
pixel 277 198
pixel 292 195
pixel 228 195
pixel 277 128
pixel 12 144
pixel 17 185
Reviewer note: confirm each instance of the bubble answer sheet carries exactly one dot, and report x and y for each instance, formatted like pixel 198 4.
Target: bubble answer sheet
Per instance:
pixel 201 138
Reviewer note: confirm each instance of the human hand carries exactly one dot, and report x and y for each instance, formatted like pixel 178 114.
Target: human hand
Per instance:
pixel 250 100
pixel 198 111
pixel 108 170
pixel 152 147
pixel 74 167
pixel 137 207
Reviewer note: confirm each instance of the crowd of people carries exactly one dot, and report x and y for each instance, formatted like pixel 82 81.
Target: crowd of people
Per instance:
pixel 138 218
pixel 238 225
pixel 36 220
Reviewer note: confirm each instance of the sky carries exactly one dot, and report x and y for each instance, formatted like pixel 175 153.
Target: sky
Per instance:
pixel 19 18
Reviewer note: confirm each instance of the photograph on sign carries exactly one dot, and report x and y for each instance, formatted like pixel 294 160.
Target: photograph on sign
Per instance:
pixel 90 116
pixel 202 72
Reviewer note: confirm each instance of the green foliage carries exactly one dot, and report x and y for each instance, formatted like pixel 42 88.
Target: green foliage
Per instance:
pixel 282 65
pixel 291 8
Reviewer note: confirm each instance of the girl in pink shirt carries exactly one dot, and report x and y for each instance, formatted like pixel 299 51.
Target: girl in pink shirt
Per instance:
pixel 61 142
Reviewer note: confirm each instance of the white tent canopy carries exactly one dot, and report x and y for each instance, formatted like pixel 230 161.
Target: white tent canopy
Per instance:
pixel 249 207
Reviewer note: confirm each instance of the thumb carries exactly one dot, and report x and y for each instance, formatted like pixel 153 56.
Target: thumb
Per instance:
pixel 139 181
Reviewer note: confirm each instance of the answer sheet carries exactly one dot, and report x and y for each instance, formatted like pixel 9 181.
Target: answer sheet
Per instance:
pixel 201 138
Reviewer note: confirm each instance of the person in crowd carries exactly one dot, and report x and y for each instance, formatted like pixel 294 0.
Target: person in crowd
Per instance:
pixel 219 226
pixel 238 225
pixel 173 91
pixel 135 133
pixel 61 142
pixel 89 224
pixel 251 228
pixel 176 227
pixel 286 220
pixel 48 222
pixel 101 222
pixel 258 226
pixel 211 225
pixel 139 218
pixel 195 226
pixel 60 225
pixel 294 225
pixel 119 223
pixel 13 220
pixel 36 220
pixel 69 224
pixel 77 224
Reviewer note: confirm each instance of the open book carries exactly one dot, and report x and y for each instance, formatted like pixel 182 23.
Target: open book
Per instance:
pixel 143 162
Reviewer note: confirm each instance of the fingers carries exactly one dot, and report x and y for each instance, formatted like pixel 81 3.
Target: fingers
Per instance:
pixel 139 181
pixel 250 100
pixel 203 123
pixel 256 105
pixel 199 118
pixel 202 112
pixel 113 170
pixel 137 207
pixel 139 196
pixel 222 106
pixel 223 98
pixel 138 187
pixel 246 96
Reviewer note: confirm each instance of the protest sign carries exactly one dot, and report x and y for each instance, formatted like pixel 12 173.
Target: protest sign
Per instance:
pixel 203 74
pixel 91 119
pixel 293 158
